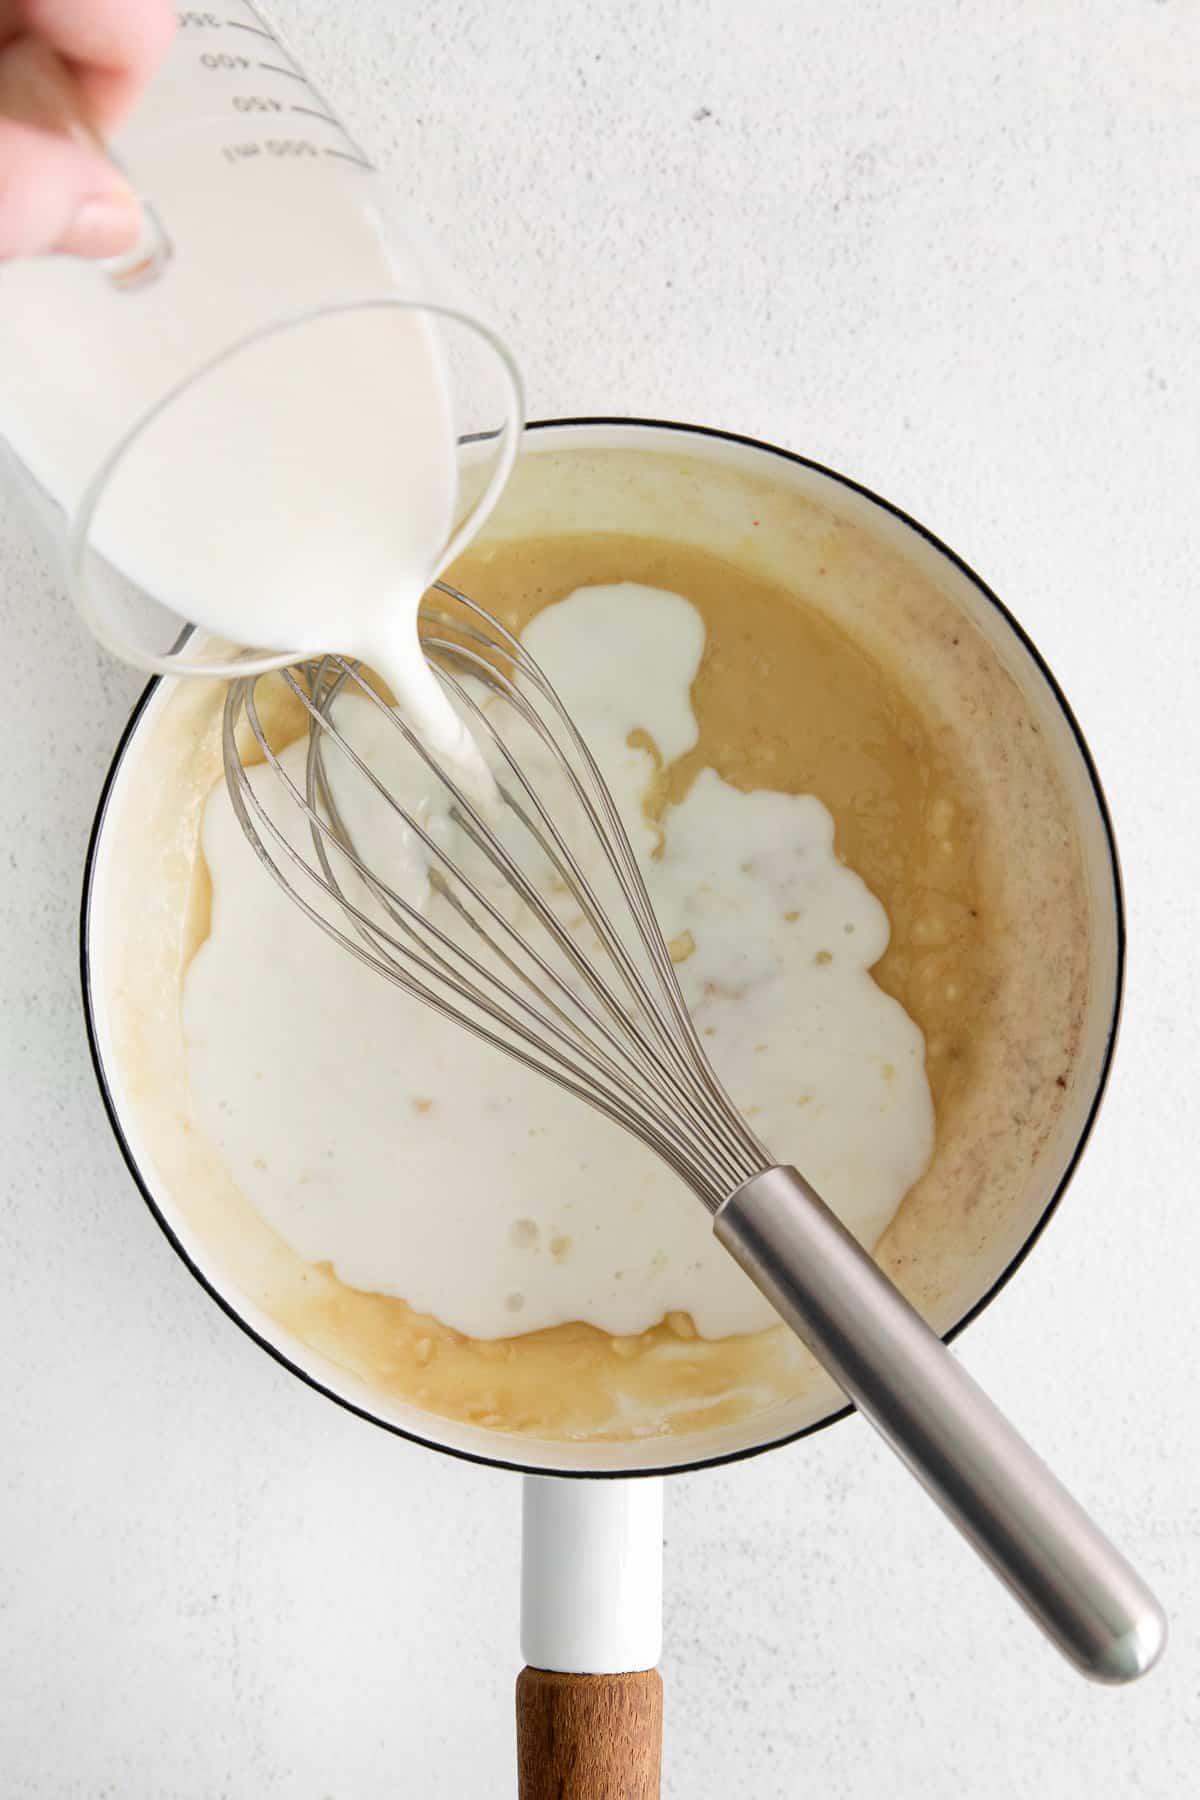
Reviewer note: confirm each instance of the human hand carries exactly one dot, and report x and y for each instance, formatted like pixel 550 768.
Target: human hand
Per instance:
pixel 69 72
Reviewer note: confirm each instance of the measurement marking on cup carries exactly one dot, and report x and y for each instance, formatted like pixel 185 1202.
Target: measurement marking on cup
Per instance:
pixel 240 25
pixel 347 156
pixel 269 147
pixel 292 74
pixel 312 113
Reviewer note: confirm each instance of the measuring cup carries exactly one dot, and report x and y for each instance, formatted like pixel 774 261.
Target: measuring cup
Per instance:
pixel 255 396
pixel 588 1701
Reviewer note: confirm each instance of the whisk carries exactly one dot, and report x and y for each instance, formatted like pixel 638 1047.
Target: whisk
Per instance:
pixel 533 929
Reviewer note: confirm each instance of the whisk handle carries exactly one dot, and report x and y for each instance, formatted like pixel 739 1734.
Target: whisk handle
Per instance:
pixel 899 1374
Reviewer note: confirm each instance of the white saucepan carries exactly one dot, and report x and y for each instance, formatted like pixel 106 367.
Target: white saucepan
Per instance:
pixel 592 1571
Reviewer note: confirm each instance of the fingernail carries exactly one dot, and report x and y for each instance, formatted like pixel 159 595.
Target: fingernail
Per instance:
pixel 105 225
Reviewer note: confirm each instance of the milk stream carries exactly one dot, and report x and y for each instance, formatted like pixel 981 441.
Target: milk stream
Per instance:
pixel 375 1136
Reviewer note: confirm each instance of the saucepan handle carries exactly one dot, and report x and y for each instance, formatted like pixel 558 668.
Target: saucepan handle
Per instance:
pixel 589 1706
pixel 983 1475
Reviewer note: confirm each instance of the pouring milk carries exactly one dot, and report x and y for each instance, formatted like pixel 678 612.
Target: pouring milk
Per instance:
pixel 291 484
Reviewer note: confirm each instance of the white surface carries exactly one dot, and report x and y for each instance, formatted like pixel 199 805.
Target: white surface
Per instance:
pixel 953 253
pixel 591 1575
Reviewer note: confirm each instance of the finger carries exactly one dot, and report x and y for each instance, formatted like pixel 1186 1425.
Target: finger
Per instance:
pixel 113 46
pixel 38 88
pixel 58 194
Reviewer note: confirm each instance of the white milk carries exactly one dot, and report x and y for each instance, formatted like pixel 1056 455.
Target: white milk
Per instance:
pixel 374 1135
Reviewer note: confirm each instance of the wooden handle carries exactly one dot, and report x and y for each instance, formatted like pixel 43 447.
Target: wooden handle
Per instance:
pixel 589 1737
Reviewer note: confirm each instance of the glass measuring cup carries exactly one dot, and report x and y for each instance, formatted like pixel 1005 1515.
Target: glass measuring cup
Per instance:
pixel 283 384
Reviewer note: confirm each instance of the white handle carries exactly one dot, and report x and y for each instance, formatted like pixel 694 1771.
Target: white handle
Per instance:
pixel 591 1574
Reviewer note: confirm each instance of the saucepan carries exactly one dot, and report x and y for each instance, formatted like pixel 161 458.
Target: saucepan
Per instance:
pixel 589 1701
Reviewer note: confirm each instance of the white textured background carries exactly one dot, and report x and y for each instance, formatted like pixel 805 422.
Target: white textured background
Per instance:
pixel 953 250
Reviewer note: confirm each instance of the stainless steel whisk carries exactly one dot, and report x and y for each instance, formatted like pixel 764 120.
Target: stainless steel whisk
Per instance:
pixel 590 999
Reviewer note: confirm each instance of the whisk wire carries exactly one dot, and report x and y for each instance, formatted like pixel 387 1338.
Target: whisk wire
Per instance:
pixel 612 835
pixel 560 855
pixel 531 1050
pixel 630 1049
pixel 634 1053
pixel 624 1035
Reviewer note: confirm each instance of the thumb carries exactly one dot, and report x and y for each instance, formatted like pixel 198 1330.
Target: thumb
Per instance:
pixel 58 194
